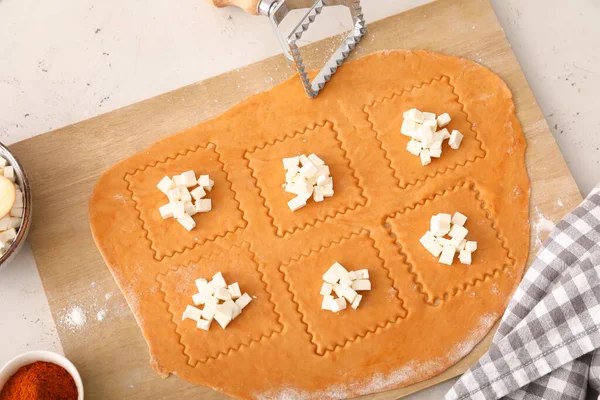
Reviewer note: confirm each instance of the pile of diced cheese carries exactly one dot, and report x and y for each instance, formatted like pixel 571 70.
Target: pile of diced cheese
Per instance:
pixel 220 301
pixel 11 222
pixel 306 177
pixel 436 243
pixel 426 140
pixel 183 202
pixel 345 285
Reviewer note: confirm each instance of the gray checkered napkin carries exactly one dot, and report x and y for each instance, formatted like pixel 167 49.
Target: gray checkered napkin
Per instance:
pixel 548 343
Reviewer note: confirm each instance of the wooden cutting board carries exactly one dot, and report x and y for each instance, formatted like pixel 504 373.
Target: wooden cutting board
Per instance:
pixel 97 331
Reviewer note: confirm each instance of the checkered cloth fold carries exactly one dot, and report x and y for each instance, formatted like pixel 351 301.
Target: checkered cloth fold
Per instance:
pixel 548 343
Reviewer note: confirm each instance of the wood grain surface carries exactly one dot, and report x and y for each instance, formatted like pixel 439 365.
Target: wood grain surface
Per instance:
pixel 63 166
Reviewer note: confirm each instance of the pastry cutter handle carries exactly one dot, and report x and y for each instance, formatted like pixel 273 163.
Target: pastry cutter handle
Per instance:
pixel 250 6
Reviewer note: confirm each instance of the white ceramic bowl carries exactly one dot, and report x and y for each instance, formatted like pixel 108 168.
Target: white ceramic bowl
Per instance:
pixel 28 358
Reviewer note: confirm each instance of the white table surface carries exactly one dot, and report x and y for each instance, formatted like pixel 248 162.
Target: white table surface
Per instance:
pixel 64 61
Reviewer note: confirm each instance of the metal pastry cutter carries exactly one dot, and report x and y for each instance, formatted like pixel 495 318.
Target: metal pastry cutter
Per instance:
pixel 277 10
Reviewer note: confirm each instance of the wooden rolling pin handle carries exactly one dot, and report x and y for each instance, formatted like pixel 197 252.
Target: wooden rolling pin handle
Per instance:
pixel 250 6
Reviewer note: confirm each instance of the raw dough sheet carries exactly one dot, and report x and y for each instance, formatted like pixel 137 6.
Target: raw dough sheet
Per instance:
pixel 421 316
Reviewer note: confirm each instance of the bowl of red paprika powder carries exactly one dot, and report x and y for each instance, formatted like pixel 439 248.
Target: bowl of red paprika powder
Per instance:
pixel 40 375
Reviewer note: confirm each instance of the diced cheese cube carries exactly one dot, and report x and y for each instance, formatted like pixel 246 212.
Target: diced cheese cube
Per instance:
pixel 203 205
pixel 349 294
pixel 326 289
pixel 362 274
pixel 321 180
pixel 352 275
pixel 455 139
pixel 211 302
pixel 327 190
pixel 290 162
pixel 18 200
pixel 208 312
pixel 291 173
pixel 428 241
pixel 9 173
pixel 297 203
pixel 328 181
pixel 173 195
pixel 308 170
pixel 191 312
pixel 187 222
pixel 438 137
pixel 458 232
pixel 331 277
pixel 184 194
pixel 409 127
pixel 318 194
pixel 222 294
pixel 459 219
pixel 429 116
pixel 295 188
pixel 447 255
pixel 316 160
pixel 435 152
pixel 15 222
pixel 432 125
pixel 440 224
pixel 356 301
pixel 198 193
pixel 211 183
pixel 443 120
pixel 166 211
pixel 201 298
pixel 345 281
pixel 190 208
pixel 234 290
pixel 202 285
pixel 235 309
pixel 361 284
pixel 323 170
pixel 223 315
pixel 218 281
pixel 425 157
pixel 338 304
pixel 178 209
pixel 189 178
pixel 4 222
pixel 443 241
pixel 326 303
pixel 445 133
pixel 455 242
pixel 203 324
pixel 461 245
pixel 414 115
pixel 338 269
pixel 204 181
pixel 465 257
pixel 424 135
pixel 414 147
pixel 304 160
pixel 243 301
pixel 338 290
pixel 178 180
pixel 3 162
pixel 471 246
pixel 165 184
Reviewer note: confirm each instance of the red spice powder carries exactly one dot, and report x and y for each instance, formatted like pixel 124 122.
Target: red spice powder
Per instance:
pixel 40 381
